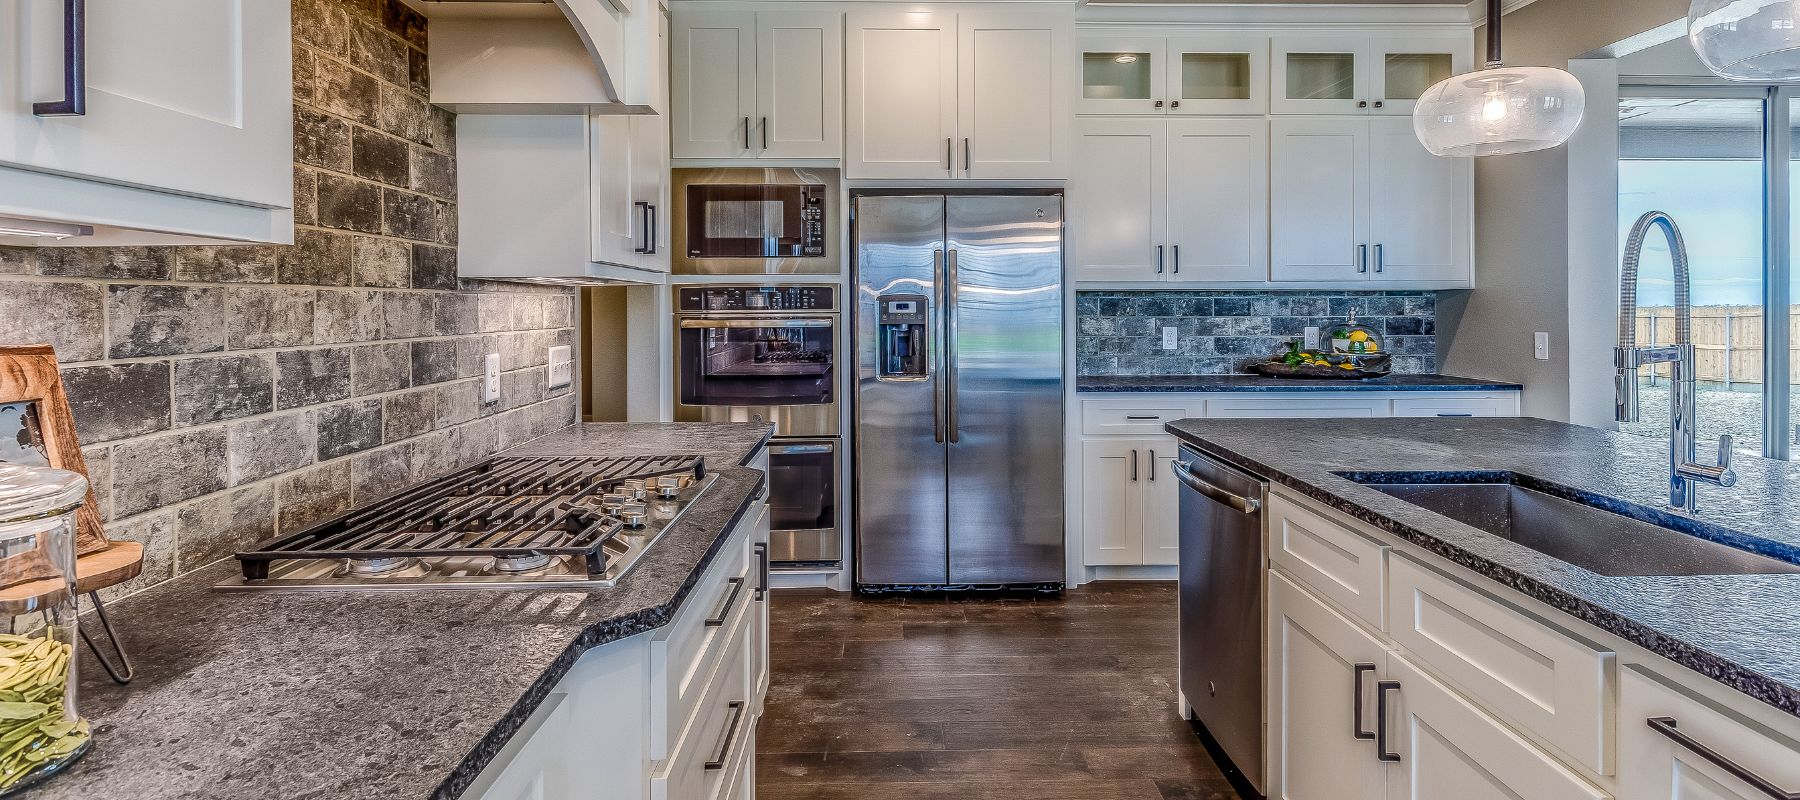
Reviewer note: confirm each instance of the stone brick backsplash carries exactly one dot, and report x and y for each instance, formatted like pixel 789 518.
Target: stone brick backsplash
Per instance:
pixel 1218 332
pixel 224 394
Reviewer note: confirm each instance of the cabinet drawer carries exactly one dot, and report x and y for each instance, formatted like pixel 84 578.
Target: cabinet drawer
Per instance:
pixel 1555 686
pixel 1340 564
pixel 709 750
pixel 1102 418
pixel 1478 406
pixel 689 649
pixel 1653 765
pixel 1326 407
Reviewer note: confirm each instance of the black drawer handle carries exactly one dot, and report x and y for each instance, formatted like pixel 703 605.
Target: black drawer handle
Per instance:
pixel 737 716
pixel 762 557
pixel 1142 417
pixel 1666 727
pixel 1381 720
pixel 74 102
pixel 737 588
pixel 1447 414
pixel 1356 724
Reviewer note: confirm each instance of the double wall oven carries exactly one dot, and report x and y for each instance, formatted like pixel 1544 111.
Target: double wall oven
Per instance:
pixel 753 353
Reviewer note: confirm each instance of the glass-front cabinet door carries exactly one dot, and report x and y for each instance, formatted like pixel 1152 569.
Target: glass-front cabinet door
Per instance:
pixel 1122 76
pixel 1402 69
pixel 1218 75
pixel 1330 75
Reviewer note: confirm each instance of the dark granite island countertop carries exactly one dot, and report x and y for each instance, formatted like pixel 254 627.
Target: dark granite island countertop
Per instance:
pixel 1125 384
pixel 1741 630
pixel 356 695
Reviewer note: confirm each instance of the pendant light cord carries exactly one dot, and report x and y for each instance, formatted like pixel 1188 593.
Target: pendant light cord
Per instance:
pixel 1493 34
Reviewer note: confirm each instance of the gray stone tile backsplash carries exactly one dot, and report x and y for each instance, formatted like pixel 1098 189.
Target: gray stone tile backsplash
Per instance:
pixel 1219 332
pixel 224 394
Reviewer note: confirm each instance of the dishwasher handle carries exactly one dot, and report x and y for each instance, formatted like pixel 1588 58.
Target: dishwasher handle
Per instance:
pixel 1243 505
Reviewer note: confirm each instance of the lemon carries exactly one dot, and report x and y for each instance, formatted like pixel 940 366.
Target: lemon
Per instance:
pixel 1347 366
pixel 1359 336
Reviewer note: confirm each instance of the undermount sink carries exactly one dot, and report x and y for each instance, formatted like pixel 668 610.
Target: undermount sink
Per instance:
pixel 1575 530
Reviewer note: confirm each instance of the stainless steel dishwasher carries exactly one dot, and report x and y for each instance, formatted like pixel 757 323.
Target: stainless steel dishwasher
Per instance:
pixel 1221 606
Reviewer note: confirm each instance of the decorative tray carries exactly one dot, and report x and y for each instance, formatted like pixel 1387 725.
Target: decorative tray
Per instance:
pixel 1296 363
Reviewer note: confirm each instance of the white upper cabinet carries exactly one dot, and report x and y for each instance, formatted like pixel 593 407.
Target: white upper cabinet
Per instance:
pixel 1013 99
pixel 799 84
pixel 186 101
pixel 712 64
pixel 941 94
pixel 1361 75
pixel 1193 75
pixel 1359 199
pixel 1120 201
pixel 900 69
pixel 1218 213
pixel 757 84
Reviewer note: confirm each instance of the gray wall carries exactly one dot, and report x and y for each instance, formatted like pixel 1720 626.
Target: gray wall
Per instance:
pixel 1522 273
pixel 224 394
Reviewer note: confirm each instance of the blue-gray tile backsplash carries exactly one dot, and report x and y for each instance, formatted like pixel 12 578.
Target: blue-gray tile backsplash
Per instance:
pixel 1219 332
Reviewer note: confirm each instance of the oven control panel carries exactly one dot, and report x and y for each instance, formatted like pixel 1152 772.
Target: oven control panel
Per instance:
pixel 758 298
pixel 812 220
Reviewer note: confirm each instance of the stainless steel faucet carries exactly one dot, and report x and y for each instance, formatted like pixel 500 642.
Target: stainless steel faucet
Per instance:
pixel 1627 357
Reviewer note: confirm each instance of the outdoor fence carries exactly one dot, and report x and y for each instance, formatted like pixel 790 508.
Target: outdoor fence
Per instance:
pixel 1728 341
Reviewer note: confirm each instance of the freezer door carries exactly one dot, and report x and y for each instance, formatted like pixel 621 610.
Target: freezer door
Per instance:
pixel 900 456
pixel 1004 373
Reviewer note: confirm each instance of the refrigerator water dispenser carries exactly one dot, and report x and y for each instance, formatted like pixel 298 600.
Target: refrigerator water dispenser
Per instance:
pixel 903 320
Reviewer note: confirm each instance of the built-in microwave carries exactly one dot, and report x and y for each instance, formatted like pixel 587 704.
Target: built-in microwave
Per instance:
pixel 755 221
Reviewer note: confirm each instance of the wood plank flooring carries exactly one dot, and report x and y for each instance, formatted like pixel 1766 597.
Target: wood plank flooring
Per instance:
pixel 981 698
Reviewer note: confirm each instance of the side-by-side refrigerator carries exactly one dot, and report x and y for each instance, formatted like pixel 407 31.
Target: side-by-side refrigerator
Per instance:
pixel 959 389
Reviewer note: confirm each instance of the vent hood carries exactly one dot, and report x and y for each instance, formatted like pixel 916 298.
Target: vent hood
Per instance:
pixel 545 56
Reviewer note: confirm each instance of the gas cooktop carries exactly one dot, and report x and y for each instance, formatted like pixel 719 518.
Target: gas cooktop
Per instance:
pixel 504 523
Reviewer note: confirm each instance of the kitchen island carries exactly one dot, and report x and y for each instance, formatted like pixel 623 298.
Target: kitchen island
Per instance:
pixel 1506 667
pixel 379 694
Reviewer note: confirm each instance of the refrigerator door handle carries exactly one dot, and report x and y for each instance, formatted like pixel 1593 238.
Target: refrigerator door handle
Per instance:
pixel 952 427
pixel 937 390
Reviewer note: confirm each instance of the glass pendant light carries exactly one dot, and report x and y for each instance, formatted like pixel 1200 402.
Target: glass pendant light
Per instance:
pixel 1500 109
pixel 1747 40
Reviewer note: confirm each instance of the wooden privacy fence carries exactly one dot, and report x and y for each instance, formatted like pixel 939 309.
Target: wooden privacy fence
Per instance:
pixel 1728 340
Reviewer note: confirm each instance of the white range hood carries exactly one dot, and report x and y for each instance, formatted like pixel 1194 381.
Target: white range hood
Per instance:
pixel 545 56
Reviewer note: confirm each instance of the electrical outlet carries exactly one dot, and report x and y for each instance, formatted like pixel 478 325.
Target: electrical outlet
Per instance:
pixel 490 379
pixel 1168 341
pixel 1540 345
pixel 1312 338
pixel 562 367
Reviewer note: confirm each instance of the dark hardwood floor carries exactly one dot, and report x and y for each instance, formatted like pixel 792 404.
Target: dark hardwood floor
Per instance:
pixel 984 698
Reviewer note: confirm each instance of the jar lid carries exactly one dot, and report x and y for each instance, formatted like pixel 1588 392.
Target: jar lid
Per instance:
pixel 36 492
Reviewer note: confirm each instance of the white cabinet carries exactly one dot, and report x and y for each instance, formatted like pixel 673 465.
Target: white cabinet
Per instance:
pixel 1361 75
pixel 1322 671
pixel 1128 496
pixel 630 191
pixel 186 125
pixel 1198 74
pixel 1663 729
pixel 1172 200
pixel 945 94
pixel 757 84
pixel 1360 200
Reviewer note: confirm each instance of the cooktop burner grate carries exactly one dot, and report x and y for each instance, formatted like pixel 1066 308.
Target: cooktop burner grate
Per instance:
pixel 517 511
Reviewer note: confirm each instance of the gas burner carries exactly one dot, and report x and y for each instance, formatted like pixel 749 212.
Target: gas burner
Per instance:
pixel 388 565
pixel 521 563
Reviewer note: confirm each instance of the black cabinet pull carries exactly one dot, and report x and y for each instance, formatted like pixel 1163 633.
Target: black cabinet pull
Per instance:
pixel 765 131
pixel 1378 104
pixel 1174 103
pixel 1362 258
pixel 1159 259
pixel 1448 414
pixel 1152 466
pixel 1142 417
pixel 724 613
pixel 737 716
pixel 1362 104
pixel 1159 104
pixel 1380 259
pixel 746 133
pixel 762 557
pixel 1381 720
pixel 1177 253
pixel 1134 465
pixel 1356 724
pixel 1667 727
pixel 643 223
pixel 74 102
pixel 968 161
pixel 650 234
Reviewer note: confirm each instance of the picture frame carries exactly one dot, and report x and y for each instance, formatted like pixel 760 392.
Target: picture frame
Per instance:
pixel 42 423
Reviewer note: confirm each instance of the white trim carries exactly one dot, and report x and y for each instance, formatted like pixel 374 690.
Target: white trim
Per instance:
pixel 1240 16
pixel 1477 9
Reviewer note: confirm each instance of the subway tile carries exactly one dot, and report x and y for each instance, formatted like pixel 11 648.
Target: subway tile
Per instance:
pixel 309 496
pixel 408 414
pixel 321 140
pixel 318 258
pixel 117 263
pixel 413 216
pixel 349 204
pixel 378 368
pixel 380 157
pixel 156 532
pixel 346 315
pixel 435 361
pixel 345 92
pixel 418 72
pixel 433 267
pixel 268 446
pixel 222 523
pixel 457 314
pixel 403 114
pixel 379 473
pixel 306 198
pixel 305 75
pixel 164 470
pixel 66 315
pixel 382 262
pixel 311 377
pixel 226 264
pixel 99 474
pixel 433 173
pixel 323 24
pixel 271 317
pixel 348 428
pixel 17 260
pixel 373 50
pixel 117 401
pixel 402 21
pixel 218 388
pixel 160 320
pixel 407 315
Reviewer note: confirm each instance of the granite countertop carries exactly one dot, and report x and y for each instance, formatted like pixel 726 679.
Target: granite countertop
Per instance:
pixel 1740 630
pixel 375 694
pixel 1264 383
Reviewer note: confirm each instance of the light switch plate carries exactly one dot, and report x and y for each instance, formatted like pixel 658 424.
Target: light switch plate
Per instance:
pixel 490 379
pixel 1168 334
pixel 1540 345
pixel 1312 338
pixel 562 367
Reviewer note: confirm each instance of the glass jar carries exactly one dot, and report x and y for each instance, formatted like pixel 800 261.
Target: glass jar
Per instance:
pixel 40 730
pixel 1352 337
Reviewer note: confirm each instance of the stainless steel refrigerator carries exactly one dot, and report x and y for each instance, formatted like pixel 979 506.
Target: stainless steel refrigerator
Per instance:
pixel 959 390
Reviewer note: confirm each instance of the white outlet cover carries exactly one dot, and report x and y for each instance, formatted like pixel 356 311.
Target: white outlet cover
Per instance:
pixel 562 367
pixel 1168 338
pixel 490 379
pixel 1312 338
pixel 1540 345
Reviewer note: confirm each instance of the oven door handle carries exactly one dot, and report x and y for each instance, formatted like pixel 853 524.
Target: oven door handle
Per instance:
pixel 772 322
pixel 787 449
